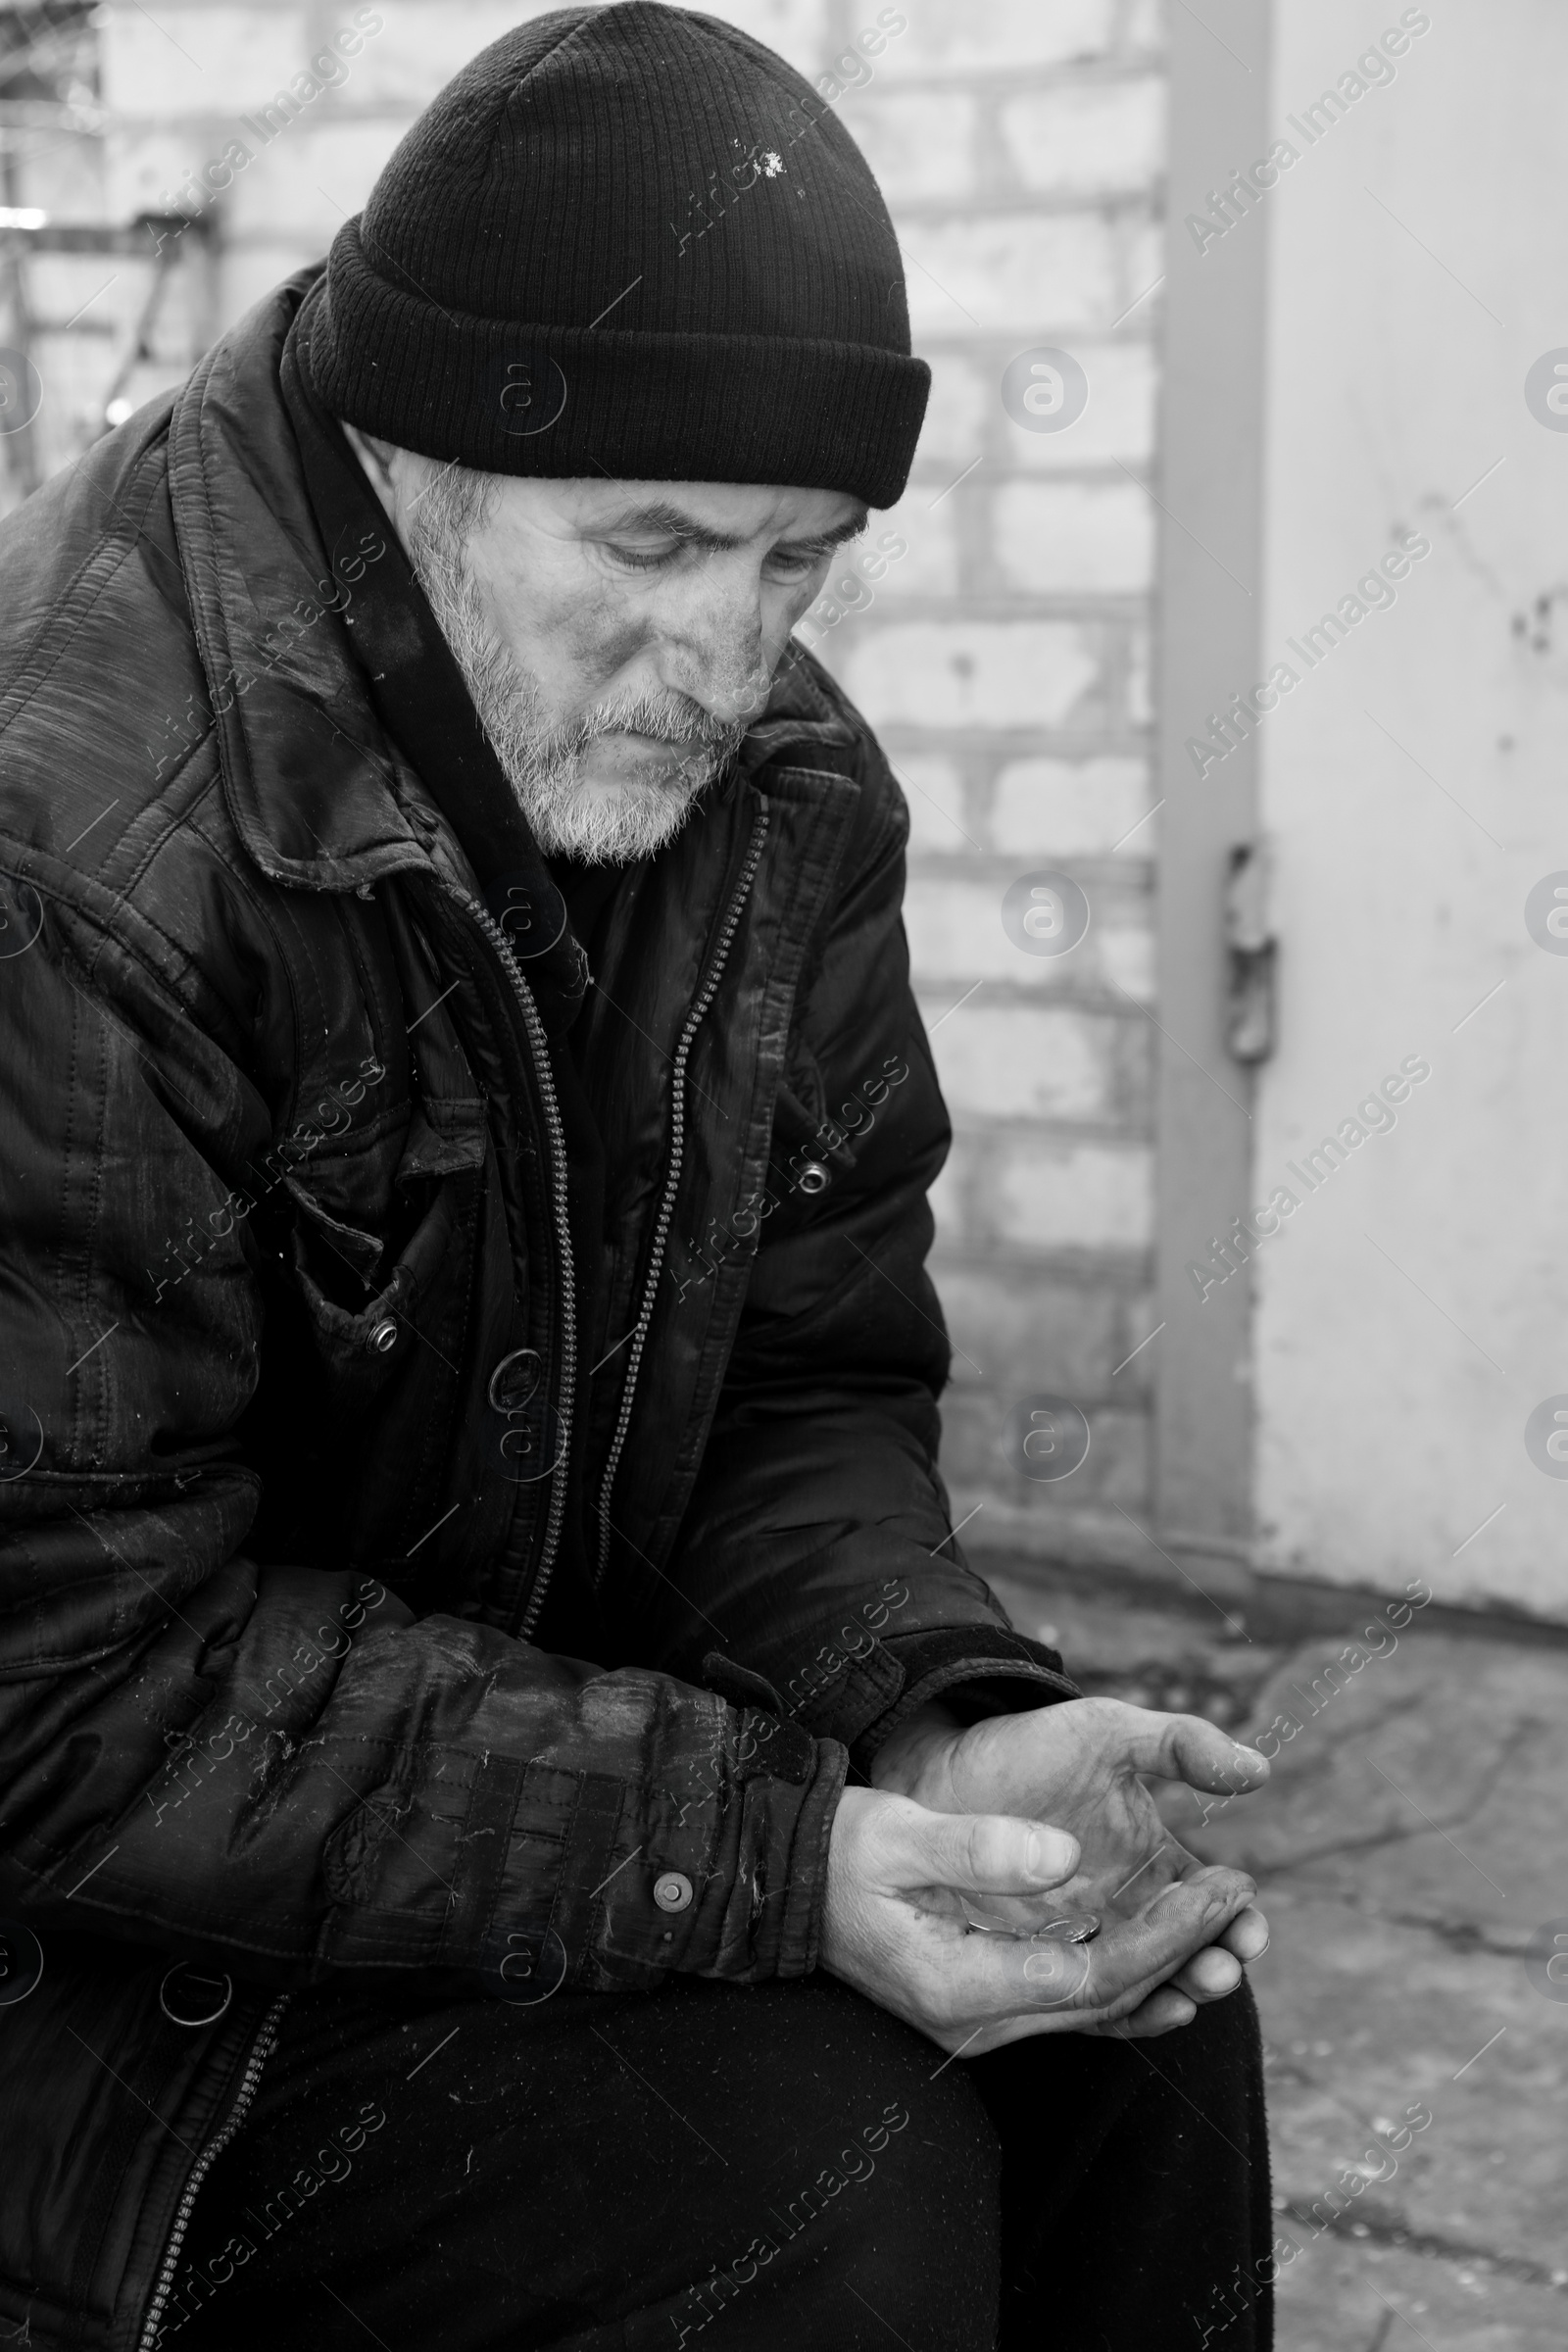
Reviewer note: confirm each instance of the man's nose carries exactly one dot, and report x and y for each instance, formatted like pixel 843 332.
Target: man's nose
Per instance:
pixel 718 660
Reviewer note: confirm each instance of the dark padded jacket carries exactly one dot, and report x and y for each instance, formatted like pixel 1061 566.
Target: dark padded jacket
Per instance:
pixel 293 1398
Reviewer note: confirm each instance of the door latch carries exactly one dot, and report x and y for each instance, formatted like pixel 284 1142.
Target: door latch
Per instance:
pixel 1249 954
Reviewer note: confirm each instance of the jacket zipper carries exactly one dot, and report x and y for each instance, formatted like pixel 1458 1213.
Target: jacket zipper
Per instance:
pixel 267 2038
pixel 677 1147
pixel 260 2050
pixel 539 1052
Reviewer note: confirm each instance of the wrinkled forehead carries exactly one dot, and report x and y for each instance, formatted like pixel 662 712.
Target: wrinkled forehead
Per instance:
pixel 713 516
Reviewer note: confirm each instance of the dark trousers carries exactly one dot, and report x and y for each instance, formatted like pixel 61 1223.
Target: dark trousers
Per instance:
pixel 780 2168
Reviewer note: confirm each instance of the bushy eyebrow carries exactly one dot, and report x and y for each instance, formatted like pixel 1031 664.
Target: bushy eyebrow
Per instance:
pixel 670 522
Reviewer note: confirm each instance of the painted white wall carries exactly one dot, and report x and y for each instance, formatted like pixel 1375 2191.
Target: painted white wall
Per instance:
pixel 1413 1311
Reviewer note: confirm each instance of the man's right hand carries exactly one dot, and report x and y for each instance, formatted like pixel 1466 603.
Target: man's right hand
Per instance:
pixel 893 1929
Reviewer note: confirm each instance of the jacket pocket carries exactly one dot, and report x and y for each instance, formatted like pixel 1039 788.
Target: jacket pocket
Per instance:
pixel 368 1295
pixel 361 1345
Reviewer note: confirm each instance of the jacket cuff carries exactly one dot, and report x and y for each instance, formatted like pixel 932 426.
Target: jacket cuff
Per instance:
pixel 977 1669
pixel 727 1878
pixel 861 1694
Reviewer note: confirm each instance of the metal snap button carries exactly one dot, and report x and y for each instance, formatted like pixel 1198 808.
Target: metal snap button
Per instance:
pixel 384 1335
pixel 672 1891
pixel 190 1997
pixel 813 1177
pixel 514 1380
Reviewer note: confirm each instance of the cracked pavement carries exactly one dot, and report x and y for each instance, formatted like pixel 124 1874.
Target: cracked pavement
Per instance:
pixel 1409 1848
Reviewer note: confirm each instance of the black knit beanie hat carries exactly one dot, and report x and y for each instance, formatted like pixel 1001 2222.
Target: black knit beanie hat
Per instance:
pixel 627 241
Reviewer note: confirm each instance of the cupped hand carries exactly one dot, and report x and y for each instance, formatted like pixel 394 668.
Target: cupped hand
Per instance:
pixel 893 1926
pixel 1078 1766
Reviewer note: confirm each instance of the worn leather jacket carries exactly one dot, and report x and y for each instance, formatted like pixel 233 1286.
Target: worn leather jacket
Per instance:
pixel 293 1393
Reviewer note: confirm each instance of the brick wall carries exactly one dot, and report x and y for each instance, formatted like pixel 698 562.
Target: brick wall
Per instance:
pixel 1003 653
pixel 1005 663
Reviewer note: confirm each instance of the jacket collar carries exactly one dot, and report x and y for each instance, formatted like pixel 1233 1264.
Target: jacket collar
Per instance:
pixel 312 785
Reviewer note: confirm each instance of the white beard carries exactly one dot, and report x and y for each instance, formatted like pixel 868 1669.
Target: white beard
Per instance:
pixel 603 825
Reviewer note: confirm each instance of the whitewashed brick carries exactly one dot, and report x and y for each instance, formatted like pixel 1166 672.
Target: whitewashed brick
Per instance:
pixel 1125 956
pixel 1000 36
pixel 929 567
pixel 1071 808
pixel 1117 422
pixel 934 789
pixel 1032 1334
pixel 920 143
pixel 956 937
pixel 212 60
pixel 1145 268
pixel 1073 1197
pixel 1087 139
pixel 1023 1061
pixel 1085 1518
pixel 1057 538
pixel 952 435
pixel 310 177
pixel 1012 274
pixel 971 673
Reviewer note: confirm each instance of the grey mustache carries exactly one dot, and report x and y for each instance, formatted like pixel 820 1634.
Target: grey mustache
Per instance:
pixel 639 719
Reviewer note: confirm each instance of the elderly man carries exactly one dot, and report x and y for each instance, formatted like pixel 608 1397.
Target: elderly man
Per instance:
pixel 514 1803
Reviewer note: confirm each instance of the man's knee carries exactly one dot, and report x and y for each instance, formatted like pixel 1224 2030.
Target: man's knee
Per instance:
pixel 1221 2050
pixel 885 2214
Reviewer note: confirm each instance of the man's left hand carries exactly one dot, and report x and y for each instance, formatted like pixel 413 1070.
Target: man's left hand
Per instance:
pixel 1077 1767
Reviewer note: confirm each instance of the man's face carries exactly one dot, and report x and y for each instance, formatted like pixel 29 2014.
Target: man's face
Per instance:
pixel 617 637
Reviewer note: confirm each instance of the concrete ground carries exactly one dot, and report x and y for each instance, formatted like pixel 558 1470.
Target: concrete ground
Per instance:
pixel 1412 1855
